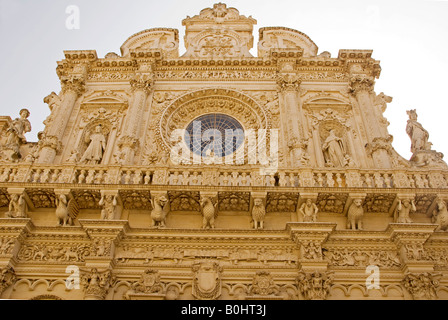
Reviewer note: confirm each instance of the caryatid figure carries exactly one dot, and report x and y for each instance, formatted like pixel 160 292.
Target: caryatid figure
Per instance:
pixel 403 210
pixel 309 211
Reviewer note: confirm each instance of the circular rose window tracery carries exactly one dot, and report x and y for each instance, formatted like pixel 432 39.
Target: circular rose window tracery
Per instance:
pixel 214 135
pixel 190 106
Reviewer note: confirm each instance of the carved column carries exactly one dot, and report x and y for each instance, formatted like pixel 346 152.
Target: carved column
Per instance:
pixel 50 143
pixel 288 85
pixel 361 88
pixel 96 283
pixel 141 85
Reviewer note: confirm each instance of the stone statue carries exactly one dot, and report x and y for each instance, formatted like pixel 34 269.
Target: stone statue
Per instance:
pixel 334 151
pixel 355 215
pixel 16 133
pixel 419 136
pixel 95 150
pixel 161 208
pixel 309 211
pixel 66 210
pixel 209 212
pixel 109 203
pixel 258 213
pixel 17 207
pixel 403 210
pixel 440 216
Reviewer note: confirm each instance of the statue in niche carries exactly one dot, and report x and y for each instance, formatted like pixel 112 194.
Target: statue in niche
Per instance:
pixel 97 146
pixel 309 211
pixel 334 150
pixel 419 136
pixel 16 133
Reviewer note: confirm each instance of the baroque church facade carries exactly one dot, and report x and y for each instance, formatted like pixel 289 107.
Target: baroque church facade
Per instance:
pixel 217 174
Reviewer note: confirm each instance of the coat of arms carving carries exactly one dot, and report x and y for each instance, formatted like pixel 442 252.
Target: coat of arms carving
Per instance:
pixel 207 280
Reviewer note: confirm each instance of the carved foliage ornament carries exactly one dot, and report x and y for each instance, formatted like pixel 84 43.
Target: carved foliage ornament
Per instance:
pixel 263 284
pixel 314 286
pixel 96 284
pixel 422 286
pixel 7 278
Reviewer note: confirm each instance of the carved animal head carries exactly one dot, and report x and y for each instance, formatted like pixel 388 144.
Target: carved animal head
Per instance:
pixel 258 202
pixel 357 202
pixel 205 200
pixel 162 201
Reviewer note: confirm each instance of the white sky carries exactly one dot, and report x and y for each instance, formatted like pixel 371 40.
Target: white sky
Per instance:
pixel 410 38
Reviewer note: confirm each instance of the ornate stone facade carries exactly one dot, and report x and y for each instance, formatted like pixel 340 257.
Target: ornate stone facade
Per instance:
pixel 126 196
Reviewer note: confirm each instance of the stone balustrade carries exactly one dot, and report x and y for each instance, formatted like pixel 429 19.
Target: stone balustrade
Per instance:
pixel 227 177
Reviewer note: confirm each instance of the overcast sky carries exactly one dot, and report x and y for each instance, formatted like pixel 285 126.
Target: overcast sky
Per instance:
pixel 410 38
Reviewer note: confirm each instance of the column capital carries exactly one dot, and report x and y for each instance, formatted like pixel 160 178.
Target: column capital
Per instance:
pixel 360 83
pixel 288 82
pixel 73 83
pixel 142 82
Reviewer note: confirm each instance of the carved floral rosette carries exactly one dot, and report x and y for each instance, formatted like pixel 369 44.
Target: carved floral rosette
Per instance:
pixel 263 284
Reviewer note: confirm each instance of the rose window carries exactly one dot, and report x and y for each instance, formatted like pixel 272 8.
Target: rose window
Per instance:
pixel 216 135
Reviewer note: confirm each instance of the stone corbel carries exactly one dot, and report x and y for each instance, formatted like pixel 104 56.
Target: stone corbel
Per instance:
pixel 311 237
pixel 105 236
pixel 13 232
pixel 410 239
